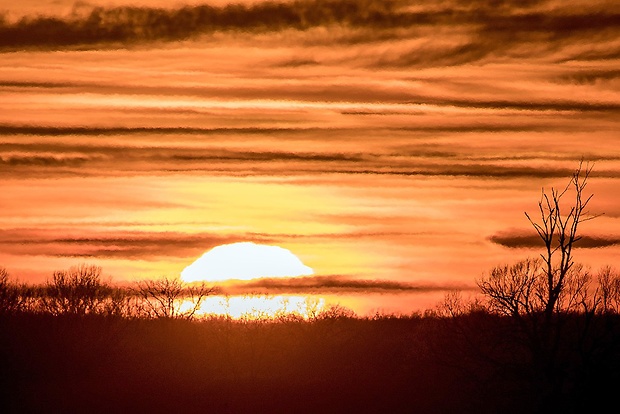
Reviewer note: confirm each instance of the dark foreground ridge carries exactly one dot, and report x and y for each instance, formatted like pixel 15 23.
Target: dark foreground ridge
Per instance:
pixel 470 363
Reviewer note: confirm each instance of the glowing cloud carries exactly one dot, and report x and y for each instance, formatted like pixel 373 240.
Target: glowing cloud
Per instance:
pixel 244 261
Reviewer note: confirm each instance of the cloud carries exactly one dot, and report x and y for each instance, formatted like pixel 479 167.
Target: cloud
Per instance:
pixel 118 245
pixel 515 240
pixel 52 131
pixel 46 85
pixel 331 284
pixel 431 54
pixel 96 131
pixel 297 62
pixel 472 170
pixel 540 105
pixel 492 28
pixel 129 156
pixel 134 24
pixel 590 77
pixel 223 155
pixel 31 160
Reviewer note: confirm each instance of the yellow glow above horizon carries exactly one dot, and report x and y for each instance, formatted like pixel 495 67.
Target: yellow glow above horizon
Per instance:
pixel 261 306
pixel 244 261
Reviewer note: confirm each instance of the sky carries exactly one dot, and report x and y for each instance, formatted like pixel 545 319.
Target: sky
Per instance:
pixel 393 146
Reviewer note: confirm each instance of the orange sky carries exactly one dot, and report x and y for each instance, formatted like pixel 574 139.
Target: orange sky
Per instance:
pixel 394 141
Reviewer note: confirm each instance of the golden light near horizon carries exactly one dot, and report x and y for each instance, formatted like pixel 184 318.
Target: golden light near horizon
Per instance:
pixel 244 261
pixel 261 306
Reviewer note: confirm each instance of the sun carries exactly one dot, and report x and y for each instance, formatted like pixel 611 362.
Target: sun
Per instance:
pixel 244 261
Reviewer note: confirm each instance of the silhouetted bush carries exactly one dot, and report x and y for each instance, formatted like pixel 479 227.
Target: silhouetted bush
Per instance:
pixel 11 299
pixel 76 291
pixel 170 298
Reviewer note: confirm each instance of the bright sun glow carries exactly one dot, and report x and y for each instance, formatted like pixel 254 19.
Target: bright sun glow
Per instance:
pixel 260 306
pixel 244 261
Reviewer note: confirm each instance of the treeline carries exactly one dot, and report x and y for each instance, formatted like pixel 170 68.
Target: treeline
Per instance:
pixel 461 357
pixel 81 290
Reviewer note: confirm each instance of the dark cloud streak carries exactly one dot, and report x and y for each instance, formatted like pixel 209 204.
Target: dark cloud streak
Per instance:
pixel 494 27
pixel 532 241
pixel 21 160
pixel 100 131
pixel 119 245
pixel 332 284
pixel 133 24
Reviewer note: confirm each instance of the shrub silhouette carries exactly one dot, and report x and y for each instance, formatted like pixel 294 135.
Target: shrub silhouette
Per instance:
pixel 76 291
pixel 11 298
pixel 170 298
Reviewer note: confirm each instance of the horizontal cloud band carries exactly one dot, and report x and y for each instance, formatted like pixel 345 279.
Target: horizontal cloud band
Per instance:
pixel 507 21
pixel 335 284
pixel 531 241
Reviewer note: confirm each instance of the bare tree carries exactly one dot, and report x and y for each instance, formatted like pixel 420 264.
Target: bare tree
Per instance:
pixel 514 290
pixel 552 283
pixel 170 298
pixel 552 302
pixel 521 289
pixel 11 299
pixel 558 229
pixel 77 291
pixel 609 290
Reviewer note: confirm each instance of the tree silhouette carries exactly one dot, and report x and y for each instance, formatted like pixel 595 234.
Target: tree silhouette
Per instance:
pixel 552 283
pixel 170 298
pixel 76 291
pixel 11 299
pixel 552 302
pixel 558 230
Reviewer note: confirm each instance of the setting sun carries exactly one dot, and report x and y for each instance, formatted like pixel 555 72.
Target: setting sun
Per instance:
pixel 244 261
pixel 309 206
